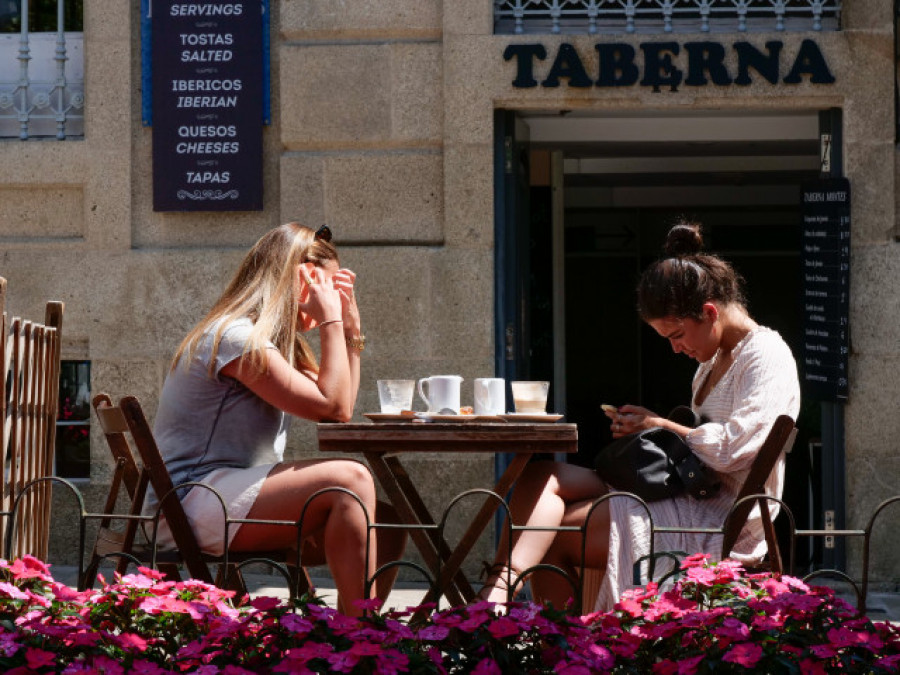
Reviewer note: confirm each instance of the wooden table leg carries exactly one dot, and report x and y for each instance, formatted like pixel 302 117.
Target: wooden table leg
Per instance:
pixel 481 520
pixel 422 539
pixel 423 515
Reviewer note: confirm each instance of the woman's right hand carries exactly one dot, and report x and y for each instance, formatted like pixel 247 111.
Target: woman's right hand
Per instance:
pixel 629 419
pixel 321 302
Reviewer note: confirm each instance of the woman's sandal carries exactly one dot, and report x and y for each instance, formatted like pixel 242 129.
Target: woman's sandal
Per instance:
pixel 499 577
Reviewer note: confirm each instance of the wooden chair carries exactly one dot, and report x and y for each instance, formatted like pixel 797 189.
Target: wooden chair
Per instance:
pixel 29 384
pixel 119 422
pixel 779 440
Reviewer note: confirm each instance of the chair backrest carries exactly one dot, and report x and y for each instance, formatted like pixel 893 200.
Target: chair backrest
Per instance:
pixel 129 415
pixel 29 383
pixel 127 473
pixel 780 440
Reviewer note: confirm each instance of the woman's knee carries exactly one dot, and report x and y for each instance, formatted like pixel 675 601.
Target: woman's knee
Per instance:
pixel 539 475
pixel 355 477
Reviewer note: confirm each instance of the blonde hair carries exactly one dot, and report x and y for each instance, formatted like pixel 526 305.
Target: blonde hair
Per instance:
pixel 265 290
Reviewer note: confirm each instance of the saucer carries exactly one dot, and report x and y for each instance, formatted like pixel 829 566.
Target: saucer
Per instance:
pixel 531 417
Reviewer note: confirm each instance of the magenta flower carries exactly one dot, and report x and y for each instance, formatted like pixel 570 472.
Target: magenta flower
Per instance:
pixel 39 658
pixel 264 603
pixel 689 666
pixel 665 667
pixel 746 654
pixel 487 667
pixel 503 627
pixel 810 667
pixel 844 637
pixel 433 633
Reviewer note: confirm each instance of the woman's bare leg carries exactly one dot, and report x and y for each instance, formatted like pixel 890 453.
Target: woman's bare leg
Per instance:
pixel 551 587
pixel 540 498
pixel 391 544
pixel 339 515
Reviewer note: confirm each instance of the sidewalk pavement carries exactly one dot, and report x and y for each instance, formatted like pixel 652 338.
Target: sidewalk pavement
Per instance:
pixel 881 606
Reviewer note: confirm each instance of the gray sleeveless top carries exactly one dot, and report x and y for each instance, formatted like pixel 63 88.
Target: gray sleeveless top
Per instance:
pixel 207 422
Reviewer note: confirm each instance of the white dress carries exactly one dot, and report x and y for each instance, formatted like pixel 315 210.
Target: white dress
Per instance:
pixel 741 408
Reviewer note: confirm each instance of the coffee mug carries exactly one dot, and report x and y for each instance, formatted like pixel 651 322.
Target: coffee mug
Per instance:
pixel 443 392
pixel 490 396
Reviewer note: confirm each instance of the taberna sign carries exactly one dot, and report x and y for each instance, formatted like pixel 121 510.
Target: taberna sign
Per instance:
pixel 668 65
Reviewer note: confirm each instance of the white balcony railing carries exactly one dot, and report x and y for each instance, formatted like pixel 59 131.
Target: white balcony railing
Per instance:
pixel 664 16
pixel 41 79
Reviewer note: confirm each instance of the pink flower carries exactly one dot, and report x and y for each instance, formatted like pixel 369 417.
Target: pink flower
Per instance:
pixel 433 633
pixel 810 667
pixel 139 667
pixel 564 668
pixel 665 667
pixel 696 560
pixel 487 667
pixel 29 567
pixel 823 651
pixel 39 658
pixel 11 591
pixel 370 605
pixel 342 662
pixel 844 637
pixel 732 629
pixel 297 624
pixel 689 666
pixel 366 649
pixel 152 573
pixel 503 627
pixel 264 603
pixel 746 654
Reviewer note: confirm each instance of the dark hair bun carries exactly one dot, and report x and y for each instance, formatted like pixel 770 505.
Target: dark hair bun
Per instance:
pixel 683 239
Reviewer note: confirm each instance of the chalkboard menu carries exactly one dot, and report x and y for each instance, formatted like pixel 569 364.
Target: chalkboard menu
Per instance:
pixel 826 286
pixel 207 78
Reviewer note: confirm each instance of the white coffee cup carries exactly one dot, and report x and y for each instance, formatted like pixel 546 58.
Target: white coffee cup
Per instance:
pixel 443 392
pixel 490 396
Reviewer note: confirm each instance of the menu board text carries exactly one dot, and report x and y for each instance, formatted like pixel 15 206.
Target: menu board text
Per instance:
pixel 826 286
pixel 207 65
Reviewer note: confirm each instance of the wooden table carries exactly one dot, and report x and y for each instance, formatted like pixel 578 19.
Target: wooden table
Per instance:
pixel 382 443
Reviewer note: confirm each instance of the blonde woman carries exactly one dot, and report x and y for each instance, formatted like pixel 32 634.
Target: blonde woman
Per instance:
pixel 236 381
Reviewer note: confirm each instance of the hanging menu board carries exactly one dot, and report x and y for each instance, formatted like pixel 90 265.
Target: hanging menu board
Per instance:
pixel 826 286
pixel 207 78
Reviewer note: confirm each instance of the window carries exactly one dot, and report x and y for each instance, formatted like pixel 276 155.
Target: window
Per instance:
pixel 73 424
pixel 42 15
pixel 41 69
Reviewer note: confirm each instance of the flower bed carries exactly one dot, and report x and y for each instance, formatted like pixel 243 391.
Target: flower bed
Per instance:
pixel 715 619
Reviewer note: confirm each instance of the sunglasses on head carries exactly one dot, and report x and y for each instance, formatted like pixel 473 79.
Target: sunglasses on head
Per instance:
pixel 323 233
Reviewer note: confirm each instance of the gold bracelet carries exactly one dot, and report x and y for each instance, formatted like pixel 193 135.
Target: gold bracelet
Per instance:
pixel 357 342
pixel 325 323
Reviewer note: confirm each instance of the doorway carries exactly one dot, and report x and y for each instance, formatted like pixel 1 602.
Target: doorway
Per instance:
pixel 588 201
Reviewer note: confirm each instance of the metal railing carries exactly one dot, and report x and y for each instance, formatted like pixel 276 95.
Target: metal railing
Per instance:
pixel 41 80
pixel 433 576
pixel 664 16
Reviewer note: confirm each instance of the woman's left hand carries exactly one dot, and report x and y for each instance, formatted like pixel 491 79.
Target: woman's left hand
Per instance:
pixel 344 281
pixel 632 418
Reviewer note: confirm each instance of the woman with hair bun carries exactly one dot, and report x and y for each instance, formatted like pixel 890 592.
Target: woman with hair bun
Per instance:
pixel 747 377
pixel 236 381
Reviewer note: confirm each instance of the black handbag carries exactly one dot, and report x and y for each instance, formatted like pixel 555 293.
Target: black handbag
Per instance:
pixel 656 464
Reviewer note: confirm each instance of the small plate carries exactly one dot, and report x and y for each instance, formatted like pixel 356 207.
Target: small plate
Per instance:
pixel 531 417
pixel 390 417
